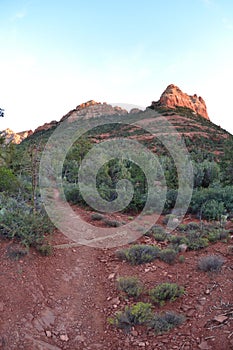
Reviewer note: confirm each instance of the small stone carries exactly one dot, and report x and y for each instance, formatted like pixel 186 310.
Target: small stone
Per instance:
pixel 183 248
pixel 142 344
pixel 190 312
pixel 186 307
pixel 147 270
pixel 115 301
pixel 207 291
pixel 1 306
pixel 64 337
pixel 202 301
pixel 204 345
pixel 48 334
pixel 134 333
pixel 111 276
pixel 220 318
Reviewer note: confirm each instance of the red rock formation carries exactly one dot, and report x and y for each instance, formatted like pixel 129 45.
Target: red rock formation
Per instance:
pixel 173 97
pixel 11 136
pixel 46 126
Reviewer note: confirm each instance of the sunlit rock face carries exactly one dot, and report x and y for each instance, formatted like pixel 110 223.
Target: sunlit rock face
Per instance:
pixel 173 97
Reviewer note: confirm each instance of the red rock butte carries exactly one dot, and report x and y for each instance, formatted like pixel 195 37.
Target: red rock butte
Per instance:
pixel 173 97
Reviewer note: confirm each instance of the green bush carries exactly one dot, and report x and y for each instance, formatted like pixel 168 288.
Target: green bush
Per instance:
pixel 8 181
pixel 112 223
pixel 97 217
pixel 130 285
pixel 165 292
pixel 182 227
pixel 18 220
pixel 176 241
pixel 195 241
pixel 210 263
pixel 161 323
pixel 138 314
pixel 168 255
pixel 139 254
pixel 192 226
pixel 168 217
pixel 158 232
pixel 220 194
pixel 45 249
pixel 213 210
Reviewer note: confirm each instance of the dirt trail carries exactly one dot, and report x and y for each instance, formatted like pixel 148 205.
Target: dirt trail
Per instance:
pixel 62 302
pixel 47 299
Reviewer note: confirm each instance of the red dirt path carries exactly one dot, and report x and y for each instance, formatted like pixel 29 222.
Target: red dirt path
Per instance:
pixel 63 301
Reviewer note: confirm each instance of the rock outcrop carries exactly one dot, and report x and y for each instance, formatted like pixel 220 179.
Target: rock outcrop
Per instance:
pixel 85 110
pixel 46 126
pixel 93 109
pixel 11 136
pixel 173 97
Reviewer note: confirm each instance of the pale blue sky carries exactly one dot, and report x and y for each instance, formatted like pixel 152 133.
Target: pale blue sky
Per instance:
pixel 57 54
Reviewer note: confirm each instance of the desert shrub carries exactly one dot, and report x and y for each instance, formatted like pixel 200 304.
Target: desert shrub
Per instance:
pixel 158 232
pixel 195 240
pixel 19 220
pixel 139 254
pixel 202 196
pixel 8 181
pixel 112 223
pixel 16 252
pixel 177 240
pixel 224 234
pixel 182 227
pixel 165 292
pixel 213 210
pixel 97 217
pixel 168 217
pixel 181 259
pixel 161 323
pixel 157 229
pixel 192 226
pixel 168 255
pixel 210 263
pixel 130 285
pixel 213 236
pixel 73 194
pixel 160 237
pixel 138 314
pixel 45 249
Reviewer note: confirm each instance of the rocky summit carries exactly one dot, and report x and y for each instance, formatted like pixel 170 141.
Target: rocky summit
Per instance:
pixel 173 97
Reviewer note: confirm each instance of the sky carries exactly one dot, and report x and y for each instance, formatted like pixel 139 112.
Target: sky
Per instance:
pixel 56 54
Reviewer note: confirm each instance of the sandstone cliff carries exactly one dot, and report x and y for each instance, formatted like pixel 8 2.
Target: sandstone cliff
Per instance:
pixel 173 97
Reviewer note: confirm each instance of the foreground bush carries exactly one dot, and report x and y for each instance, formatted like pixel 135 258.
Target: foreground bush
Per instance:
pixel 210 263
pixel 137 314
pixel 161 323
pixel 18 220
pixel 139 254
pixel 165 292
pixel 130 285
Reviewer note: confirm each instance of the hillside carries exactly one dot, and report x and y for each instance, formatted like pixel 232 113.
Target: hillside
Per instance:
pixel 187 114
